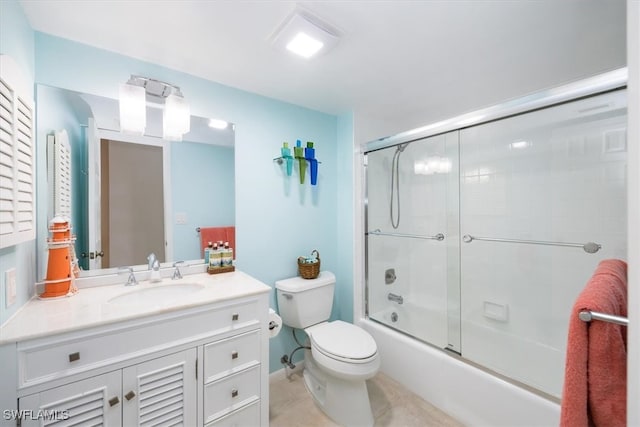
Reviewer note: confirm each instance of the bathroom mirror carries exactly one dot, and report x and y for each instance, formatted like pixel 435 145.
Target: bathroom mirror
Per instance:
pixel 189 183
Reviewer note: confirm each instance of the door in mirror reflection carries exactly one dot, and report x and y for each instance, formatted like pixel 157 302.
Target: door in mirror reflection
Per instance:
pixel 132 206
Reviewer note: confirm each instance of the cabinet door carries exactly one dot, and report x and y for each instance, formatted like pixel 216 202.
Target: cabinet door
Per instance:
pixel 161 391
pixel 94 401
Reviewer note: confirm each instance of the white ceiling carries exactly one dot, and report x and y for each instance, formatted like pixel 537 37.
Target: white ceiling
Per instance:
pixel 407 61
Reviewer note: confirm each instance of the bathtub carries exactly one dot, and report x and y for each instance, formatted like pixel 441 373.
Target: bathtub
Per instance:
pixel 467 393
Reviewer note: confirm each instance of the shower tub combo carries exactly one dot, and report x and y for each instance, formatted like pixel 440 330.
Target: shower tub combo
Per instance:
pixel 480 233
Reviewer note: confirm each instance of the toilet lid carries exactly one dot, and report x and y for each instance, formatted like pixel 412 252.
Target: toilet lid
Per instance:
pixel 343 339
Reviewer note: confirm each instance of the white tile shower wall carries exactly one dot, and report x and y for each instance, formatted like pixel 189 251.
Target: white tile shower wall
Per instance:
pixel 551 175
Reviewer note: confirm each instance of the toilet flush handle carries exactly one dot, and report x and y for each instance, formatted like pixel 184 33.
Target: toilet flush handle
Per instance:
pixel 287 296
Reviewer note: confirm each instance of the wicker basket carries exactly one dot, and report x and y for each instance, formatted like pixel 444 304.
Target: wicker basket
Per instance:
pixel 309 270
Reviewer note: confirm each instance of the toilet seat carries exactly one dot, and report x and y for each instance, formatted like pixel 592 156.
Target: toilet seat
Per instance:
pixel 343 342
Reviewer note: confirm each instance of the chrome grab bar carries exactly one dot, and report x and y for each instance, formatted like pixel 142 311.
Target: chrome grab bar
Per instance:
pixel 589 247
pixel 588 316
pixel 377 232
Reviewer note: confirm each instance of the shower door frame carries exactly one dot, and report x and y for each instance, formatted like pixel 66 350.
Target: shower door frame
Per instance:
pixel 599 84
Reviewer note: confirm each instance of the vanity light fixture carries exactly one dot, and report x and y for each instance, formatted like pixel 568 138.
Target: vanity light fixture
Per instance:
pixel 133 109
pixel 305 34
pixel 140 91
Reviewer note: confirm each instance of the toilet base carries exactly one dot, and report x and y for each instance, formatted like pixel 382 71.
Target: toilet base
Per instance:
pixel 345 402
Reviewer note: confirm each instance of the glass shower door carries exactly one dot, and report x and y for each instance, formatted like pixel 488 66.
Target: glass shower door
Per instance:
pixel 412 239
pixel 554 176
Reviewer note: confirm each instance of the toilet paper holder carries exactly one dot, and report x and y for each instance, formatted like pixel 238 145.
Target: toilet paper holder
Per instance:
pixel 275 323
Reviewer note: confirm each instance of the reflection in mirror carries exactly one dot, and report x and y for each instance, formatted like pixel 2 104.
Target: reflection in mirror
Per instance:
pixel 136 195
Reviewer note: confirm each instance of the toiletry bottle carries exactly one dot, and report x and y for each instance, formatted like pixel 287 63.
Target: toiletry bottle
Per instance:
pixel 215 257
pixel 227 255
pixel 207 251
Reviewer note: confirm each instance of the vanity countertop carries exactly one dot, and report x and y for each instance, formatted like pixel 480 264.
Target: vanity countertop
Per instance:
pixel 95 306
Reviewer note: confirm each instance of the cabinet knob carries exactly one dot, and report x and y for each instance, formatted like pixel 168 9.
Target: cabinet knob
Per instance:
pixel 114 401
pixel 74 356
pixel 130 395
pixel 235 316
pixel 234 393
pixel 234 354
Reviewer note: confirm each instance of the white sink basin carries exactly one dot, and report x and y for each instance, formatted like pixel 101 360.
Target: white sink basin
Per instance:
pixel 156 295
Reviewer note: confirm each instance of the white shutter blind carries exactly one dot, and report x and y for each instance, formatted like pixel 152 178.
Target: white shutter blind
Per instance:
pixel 17 160
pixel 59 168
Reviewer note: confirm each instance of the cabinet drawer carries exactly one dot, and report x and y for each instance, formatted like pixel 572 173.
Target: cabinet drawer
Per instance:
pixel 246 416
pixel 230 393
pixel 231 355
pixel 49 358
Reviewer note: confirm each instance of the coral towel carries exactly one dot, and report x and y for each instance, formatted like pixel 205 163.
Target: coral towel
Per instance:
pixel 215 234
pixel 595 382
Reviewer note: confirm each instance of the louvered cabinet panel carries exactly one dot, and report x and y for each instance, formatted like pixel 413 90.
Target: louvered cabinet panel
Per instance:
pixel 94 401
pixel 161 392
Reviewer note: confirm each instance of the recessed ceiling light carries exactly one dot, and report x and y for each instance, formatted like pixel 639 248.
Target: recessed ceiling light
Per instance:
pixel 304 45
pixel 305 34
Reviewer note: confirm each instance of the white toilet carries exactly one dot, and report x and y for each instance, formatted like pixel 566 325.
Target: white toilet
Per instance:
pixel 342 356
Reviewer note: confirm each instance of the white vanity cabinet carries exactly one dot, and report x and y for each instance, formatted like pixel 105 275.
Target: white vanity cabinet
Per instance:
pixel 196 366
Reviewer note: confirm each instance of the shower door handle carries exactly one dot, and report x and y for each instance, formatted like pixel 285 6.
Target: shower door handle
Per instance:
pixel 439 237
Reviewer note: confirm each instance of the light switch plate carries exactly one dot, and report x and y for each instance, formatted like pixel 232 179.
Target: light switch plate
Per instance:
pixel 181 217
pixel 10 286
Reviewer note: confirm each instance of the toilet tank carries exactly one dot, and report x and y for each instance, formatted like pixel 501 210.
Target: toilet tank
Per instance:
pixel 305 302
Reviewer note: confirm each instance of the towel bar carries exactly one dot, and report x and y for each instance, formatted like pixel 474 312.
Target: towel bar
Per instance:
pixel 588 316
pixel 589 247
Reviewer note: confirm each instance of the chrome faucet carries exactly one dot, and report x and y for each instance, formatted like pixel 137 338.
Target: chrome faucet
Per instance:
pixel 176 272
pixel 395 298
pixel 131 280
pixel 152 259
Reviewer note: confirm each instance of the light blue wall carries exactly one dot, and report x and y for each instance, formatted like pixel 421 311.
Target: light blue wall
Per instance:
pixel 16 36
pixel 345 218
pixel 277 219
pixel 202 177
pixel 17 41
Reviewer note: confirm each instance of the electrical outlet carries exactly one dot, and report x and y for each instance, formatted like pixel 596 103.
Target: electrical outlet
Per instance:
pixel 10 286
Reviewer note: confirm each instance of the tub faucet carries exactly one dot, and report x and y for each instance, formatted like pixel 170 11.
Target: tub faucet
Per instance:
pixel 131 280
pixel 395 298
